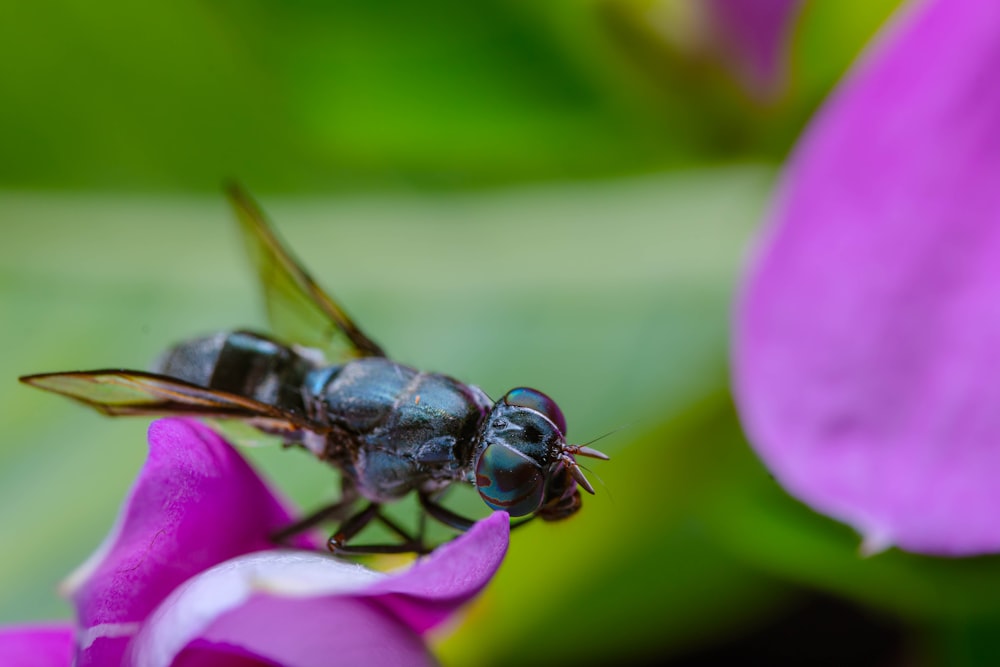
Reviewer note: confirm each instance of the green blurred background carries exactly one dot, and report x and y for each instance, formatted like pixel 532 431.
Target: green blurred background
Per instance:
pixel 558 194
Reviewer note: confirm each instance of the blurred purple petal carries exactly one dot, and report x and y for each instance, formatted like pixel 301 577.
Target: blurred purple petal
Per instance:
pixel 868 340
pixel 196 503
pixel 303 608
pixel 48 645
pixel 754 35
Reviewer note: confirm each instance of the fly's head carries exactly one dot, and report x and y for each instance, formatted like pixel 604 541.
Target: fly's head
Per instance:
pixel 523 464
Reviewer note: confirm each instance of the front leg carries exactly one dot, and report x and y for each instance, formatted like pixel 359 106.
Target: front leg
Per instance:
pixel 337 511
pixel 354 525
pixel 445 515
pixel 453 520
pixel 338 543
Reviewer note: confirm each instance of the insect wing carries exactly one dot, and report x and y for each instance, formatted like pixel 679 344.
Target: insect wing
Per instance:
pixel 120 393
pixel 298 309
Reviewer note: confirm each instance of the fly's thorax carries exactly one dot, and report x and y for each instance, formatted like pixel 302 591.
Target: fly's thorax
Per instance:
pixel 522 465
pixel 396 428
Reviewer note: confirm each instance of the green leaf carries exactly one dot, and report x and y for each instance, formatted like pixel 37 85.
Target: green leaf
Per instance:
pixel 757 521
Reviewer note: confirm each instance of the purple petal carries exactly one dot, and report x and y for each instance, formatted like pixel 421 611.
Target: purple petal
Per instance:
pixel 303 608
pixel 37 645
pixel 316 632
pixel 207 654
pixel 868 339
pixel 436 586
pixel 196 503
pixel 754 34
pixel 190 611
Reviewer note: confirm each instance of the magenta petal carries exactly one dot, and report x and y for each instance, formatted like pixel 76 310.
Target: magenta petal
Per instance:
pixel 204 600
pixel 316 632
pixel 436 586
pixel 754 35
pixel 868 343
pixel 196 503
pixel 37 645
pixel 208 654
pixel 301 609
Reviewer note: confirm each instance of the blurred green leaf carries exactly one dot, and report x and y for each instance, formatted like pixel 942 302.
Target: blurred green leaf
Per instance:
pixel 829 37
pixel 292 94
pixel 966 642
pixel 753 517
pixel 306 95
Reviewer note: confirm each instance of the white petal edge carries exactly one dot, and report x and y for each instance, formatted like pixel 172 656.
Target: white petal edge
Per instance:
pixel 194 605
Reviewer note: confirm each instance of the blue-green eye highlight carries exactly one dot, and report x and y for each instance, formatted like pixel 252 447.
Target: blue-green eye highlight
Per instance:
pixel 508 481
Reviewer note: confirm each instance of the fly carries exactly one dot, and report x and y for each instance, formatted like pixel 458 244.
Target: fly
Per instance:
pixel 390 429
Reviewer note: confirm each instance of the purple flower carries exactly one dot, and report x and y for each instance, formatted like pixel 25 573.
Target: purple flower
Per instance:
pixel 867 348
pixel 189 577
pixel 753 35
pixel 36 645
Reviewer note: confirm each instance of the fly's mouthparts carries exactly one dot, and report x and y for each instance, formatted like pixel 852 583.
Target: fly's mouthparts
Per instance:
pixel 581 479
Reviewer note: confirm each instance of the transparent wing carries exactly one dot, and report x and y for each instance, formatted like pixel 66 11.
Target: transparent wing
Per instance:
pixel 123 392
pixel 298 310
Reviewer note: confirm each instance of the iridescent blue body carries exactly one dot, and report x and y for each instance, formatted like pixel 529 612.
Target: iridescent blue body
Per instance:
pixel 396 429
pixel 393 428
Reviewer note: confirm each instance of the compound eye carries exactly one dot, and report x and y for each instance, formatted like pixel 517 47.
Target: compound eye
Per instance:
pixel 526 397
pixel 508 481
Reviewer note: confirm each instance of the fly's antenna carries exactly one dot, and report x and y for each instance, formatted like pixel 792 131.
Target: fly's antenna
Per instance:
pixel 585 450
pixel 601 437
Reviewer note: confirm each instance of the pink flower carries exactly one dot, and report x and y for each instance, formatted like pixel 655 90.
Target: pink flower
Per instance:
pixel 753 36
pixel 189 577
pixel 867 343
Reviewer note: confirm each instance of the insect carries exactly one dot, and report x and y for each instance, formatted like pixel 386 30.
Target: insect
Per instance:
pixel 390 429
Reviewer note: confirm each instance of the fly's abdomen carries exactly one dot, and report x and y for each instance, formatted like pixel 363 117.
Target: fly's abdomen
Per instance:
pixel 243 363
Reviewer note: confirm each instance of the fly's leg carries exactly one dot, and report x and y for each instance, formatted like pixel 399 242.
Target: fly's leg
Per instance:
pixel 338 511
pixel 445 515
pixel 354 525
pixel 421 526
pixel 399 530
pixel 453 520
pixel 338 541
